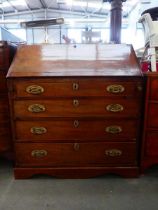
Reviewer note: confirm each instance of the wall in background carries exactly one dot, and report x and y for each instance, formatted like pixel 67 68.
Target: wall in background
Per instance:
pixel 131 34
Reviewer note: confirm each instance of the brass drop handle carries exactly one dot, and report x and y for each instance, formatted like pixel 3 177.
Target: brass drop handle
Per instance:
pixel 115 89
pixel 75 86
pixel 39 153
pixel 35 89
pixel 76 146
pixel 76 123
pixel 113 152
pixel 36 108
pixel 38 130
pixel 113 129
pixel 114 108
pixel 76 103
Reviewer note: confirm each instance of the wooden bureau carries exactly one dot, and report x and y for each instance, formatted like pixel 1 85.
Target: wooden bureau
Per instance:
pixel 76 111
pixel 149 154
pixel 7 52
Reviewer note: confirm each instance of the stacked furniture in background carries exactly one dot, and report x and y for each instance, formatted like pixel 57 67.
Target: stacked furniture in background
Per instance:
pixel 151 39
pixel 149 153
pixel 149 147
pixel 7 52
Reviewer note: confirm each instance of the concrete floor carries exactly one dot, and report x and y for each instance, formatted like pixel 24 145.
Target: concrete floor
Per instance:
pixel 108 192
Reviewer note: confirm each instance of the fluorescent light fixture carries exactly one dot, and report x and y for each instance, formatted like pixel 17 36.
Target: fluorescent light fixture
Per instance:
pixel 145 1
pixel 37 23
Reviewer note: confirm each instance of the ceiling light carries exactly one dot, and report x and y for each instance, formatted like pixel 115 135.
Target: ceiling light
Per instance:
pixel 145 1
pixel 37 23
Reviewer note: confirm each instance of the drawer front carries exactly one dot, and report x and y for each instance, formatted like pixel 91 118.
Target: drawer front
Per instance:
pixel 77 129
pixel 152 115
pixel 151 144
pixel 77 154
pixel 79 87
pixel 77 107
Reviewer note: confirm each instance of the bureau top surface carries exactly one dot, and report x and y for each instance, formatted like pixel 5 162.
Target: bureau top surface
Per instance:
pixel 69 60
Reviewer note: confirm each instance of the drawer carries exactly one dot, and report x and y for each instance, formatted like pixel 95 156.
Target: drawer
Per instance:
pixel 76 87
pixel 77 129
pixel 151 144
pixel 77 154
pixel 152 120
pixel 77 107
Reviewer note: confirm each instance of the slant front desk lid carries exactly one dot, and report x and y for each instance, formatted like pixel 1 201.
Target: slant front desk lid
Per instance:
pixel 80 60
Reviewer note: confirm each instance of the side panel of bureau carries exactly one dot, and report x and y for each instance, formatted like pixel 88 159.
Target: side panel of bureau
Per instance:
pixel 149 155
pixel 7 52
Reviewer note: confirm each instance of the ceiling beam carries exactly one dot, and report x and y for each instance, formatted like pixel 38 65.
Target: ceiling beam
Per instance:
pixel 10 14
pixel 61 12
pixel 133 7
pixel 66 11
pixel 15 9
pixel 28 5
pixel 43 3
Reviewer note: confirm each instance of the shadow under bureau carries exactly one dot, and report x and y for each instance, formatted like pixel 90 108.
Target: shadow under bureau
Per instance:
pixel 75 111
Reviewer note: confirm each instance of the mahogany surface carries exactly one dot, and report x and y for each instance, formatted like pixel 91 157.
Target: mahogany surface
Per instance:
pixel 75 172
pixel 66 61
pixel 84 129
pixel 75 111
pixel 149 155
pixel 7 52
